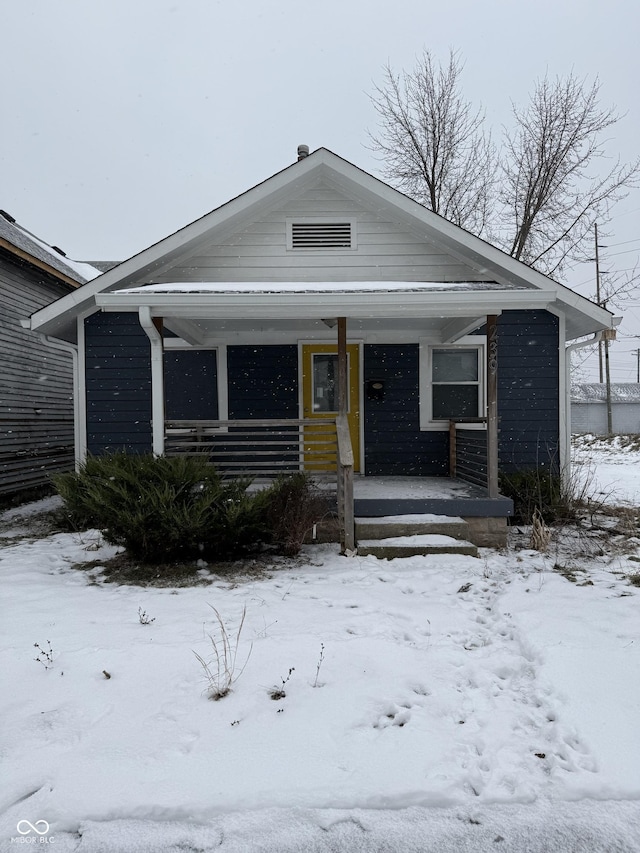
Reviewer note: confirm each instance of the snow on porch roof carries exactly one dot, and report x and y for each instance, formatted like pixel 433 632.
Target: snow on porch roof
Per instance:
pixel 316 287
pixel 318 299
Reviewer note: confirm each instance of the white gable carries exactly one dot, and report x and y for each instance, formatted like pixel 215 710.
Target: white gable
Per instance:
pixel 395 239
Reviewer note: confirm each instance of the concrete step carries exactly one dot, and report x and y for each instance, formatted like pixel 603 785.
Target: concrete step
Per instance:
pixel 417 545
pixel 411 525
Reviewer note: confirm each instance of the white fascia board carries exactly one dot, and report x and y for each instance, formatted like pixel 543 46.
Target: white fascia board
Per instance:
pixel 319 306
pixel 464 245
pixel 150 262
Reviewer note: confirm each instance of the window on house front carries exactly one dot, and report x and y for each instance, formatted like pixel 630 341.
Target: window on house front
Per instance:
pixel 451 383
pixel 455 383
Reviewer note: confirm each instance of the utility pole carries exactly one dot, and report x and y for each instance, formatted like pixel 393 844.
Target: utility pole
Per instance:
pixel 638 370
pixel 595 227
pixel 607 370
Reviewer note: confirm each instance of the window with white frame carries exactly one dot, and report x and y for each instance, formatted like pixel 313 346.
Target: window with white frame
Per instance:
pixel 451 382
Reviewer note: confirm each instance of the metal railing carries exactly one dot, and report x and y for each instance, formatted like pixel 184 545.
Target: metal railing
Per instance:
pixel 468 451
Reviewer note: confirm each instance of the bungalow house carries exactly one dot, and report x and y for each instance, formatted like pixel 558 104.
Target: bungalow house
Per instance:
pixel 322 320
pixel 36 381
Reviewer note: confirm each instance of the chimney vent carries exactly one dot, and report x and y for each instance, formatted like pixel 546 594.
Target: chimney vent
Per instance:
pixel 303 151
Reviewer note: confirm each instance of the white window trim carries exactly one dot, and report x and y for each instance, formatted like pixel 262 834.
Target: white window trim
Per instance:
pixel 319 220
pixel 476 342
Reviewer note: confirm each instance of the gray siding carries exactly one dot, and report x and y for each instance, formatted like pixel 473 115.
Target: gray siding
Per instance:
pixel 36 383
pixel 118 382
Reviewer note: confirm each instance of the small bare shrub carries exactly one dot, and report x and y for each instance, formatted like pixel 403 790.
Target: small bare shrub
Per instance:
pixel 318 665
pixel 278 692
pixel 540 533
pixel 221 670
pixel 144 617
pixel 45 655
pixel 294 505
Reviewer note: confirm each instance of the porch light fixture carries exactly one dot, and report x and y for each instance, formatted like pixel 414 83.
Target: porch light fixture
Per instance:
pixel 331 322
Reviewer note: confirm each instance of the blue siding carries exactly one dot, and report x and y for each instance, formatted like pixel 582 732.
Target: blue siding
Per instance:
pixel 528 389
pixel 263 381
pixel 118 380
pixel 191 385
pixel 394 444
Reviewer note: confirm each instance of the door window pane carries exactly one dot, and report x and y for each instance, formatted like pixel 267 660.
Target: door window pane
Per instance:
pixel 325 382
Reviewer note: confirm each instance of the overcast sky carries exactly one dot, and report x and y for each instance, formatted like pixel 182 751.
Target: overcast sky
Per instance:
pixel 124 120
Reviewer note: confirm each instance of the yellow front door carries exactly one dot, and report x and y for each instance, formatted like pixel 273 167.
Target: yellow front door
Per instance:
pixel 320 387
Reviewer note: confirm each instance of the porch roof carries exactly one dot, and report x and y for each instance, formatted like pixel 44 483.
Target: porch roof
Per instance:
pixel 357 300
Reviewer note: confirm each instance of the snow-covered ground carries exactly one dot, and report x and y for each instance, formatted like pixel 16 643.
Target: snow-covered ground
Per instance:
pixel 432 704
pixel 609 467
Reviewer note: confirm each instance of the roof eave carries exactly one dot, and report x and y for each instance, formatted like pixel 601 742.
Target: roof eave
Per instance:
pixel 321 305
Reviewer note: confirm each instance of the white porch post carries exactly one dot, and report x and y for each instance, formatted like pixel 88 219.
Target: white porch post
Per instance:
pixel 153 327
pixel 492 405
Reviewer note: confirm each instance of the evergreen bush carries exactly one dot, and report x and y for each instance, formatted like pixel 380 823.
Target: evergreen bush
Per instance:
pixel 162 509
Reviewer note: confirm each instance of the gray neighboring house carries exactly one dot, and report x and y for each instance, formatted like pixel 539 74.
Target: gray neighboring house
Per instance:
pixel 36 379
pixel 589 408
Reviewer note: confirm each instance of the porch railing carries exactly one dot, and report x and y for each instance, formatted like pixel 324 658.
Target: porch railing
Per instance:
pixel 345 485
pixel 258 448
pixel 263 449
pixel 468 454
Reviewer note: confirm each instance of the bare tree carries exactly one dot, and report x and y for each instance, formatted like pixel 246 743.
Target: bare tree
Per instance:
pixel 551 190
pixel 553 186
pixel 432 142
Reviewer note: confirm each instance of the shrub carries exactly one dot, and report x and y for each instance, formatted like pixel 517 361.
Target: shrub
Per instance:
pixel 293 505
pixel 162 508
pixel 537 489
pixel 177 508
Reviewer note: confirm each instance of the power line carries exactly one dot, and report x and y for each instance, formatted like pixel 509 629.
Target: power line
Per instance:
pixel 626 251
pixel 624 242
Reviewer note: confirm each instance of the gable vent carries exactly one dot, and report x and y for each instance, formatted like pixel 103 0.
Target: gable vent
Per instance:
pixel 321 235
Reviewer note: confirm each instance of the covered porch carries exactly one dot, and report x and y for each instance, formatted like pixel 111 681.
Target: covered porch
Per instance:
pixel 262 450
pixel 356 316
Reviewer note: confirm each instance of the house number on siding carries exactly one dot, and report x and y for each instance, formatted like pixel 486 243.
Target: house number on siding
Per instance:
pixel 493 350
